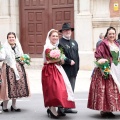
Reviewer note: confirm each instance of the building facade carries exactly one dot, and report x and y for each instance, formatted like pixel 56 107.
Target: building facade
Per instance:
pixel 88 17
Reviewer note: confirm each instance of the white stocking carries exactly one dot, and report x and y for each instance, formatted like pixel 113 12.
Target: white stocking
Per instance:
pixel 53 110
pixel 5 104
pixel 14 103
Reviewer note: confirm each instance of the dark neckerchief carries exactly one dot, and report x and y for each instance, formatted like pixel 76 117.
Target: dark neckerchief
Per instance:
pixel 13 48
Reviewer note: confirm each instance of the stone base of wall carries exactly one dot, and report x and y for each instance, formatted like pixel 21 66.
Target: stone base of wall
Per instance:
pixel 86 60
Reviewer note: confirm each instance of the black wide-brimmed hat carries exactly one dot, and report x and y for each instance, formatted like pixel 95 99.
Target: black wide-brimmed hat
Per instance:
pixel 66 26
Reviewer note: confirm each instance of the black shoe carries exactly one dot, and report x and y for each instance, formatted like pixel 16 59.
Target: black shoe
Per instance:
pixel 104 114
pixel 70 111
pixel 16 110
pixel 5 110
pixel 110 115
pixel 51 114
pixel 61 111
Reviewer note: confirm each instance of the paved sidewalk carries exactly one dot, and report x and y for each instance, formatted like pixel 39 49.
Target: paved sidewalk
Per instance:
pixel 82 81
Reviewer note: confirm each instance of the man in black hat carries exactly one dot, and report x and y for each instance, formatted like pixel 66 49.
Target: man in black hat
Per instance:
pixel 71 63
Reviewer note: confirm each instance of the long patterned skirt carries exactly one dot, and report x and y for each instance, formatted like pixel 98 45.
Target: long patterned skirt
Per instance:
pixel 12 88
pixel 103 93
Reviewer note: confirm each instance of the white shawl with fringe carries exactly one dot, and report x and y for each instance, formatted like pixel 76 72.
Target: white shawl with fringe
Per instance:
pixel 8 56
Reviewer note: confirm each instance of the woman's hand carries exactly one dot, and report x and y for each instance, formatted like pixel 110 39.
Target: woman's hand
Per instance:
pixel 102 60
pixel 47 62
pixel 21 62
pixel 62 61
pixel 53 61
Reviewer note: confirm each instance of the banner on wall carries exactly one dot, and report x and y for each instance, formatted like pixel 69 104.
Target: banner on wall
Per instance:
pixel 116 6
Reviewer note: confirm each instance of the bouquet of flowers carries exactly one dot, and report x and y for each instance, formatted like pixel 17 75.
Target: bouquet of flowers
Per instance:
pixel 55 54
pixel 105 67
pixel 25 58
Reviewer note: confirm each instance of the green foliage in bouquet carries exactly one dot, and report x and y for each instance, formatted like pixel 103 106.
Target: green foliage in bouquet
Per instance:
pixel 63 57
pixel 105 67
pixel 25 58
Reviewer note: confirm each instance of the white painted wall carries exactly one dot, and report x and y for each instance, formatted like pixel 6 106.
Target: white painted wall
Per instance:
pixel 8 18
pixel 91 17
pixel 84 33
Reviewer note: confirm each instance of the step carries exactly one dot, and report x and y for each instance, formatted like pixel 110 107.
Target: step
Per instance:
pixel 36 63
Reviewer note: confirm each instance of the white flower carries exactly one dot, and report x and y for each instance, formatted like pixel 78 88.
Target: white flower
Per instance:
pixel 73 44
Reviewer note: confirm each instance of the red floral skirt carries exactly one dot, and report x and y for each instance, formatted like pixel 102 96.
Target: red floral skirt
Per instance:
pixel 54 89
pixel 103 93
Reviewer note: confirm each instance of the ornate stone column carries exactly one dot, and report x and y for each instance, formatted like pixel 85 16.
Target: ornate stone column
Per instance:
pixel 83 33
pixel 14 16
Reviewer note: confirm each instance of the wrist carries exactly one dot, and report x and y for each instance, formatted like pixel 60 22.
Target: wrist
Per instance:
pixel 48 62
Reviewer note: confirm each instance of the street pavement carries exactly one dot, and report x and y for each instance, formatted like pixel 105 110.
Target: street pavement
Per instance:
pixel 32 108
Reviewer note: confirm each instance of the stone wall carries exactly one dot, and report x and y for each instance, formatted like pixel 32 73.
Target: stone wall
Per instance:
pixel 92 17
pixel 8 18
pixel 84 33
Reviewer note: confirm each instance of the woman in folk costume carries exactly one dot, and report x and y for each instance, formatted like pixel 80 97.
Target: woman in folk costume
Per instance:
pixel 104 94
pixel 57 90
pixel 14 80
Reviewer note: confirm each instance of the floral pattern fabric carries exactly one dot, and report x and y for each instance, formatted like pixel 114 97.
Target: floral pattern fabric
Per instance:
pixel 12 88
pixel 103 94
pixel 17 88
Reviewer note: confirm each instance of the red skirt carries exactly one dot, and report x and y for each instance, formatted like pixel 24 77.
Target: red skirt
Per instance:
pixel 103 93
pixel 54 89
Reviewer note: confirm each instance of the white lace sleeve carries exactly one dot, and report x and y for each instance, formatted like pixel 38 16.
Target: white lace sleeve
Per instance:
pixel 2 54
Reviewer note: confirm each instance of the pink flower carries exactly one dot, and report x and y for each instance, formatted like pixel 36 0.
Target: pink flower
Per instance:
pixel 55 53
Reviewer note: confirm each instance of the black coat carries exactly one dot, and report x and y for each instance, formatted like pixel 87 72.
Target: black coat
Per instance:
pixel 70 49
pixel 118 40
